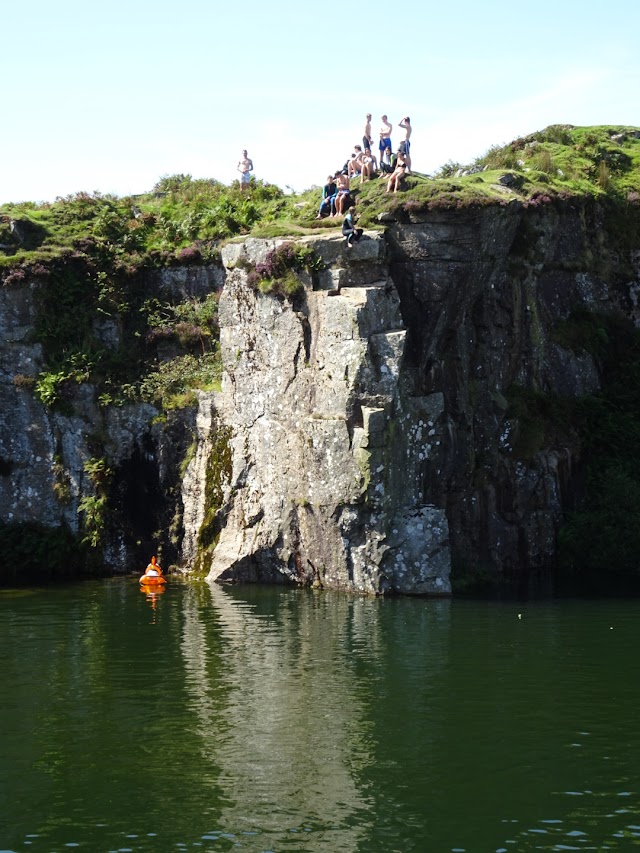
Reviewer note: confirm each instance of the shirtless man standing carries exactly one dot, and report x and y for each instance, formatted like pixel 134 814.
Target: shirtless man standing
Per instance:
pixel 405 145
pixel 245 167
pixel 367 141
pixel 385 136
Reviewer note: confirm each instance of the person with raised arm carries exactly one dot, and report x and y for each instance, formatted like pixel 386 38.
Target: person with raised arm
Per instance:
pixel 405 146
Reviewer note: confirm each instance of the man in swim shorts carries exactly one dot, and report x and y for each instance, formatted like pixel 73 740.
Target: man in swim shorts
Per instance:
pixel 385 136
pixel 245 167
pixel 367 141
pixel 405 146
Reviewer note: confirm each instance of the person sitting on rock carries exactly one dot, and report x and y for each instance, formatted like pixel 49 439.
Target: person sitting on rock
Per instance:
pixel 343 199
pixel 369 165
pixel 398 174
pixel 351 233
pixel 386 166
pixel 355 163
pixel 329 191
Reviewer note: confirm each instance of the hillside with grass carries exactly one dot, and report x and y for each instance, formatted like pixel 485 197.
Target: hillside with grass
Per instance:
pixel 183 220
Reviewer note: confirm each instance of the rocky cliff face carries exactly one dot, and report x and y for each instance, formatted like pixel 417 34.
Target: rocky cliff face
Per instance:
pixel 43 452
pixel 371 438
pixel 483 294
pixel 371 433
pixel 323 486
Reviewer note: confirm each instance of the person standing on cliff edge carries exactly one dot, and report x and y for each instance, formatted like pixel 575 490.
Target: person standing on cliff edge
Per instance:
pixel 405 146
pixel 245 167
pixel 385 137
pixel 367 140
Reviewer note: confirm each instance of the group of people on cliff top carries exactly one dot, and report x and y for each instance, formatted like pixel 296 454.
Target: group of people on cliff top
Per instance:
pixel 336 194
pixel 363 163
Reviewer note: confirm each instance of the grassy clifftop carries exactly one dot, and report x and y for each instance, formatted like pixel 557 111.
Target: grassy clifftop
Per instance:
pixel 183 220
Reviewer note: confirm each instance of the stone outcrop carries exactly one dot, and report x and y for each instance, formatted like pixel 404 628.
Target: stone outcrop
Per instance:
pixel 324 487
pixel 371 435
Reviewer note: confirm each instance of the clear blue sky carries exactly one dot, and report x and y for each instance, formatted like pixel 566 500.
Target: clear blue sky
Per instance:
pixel 111 96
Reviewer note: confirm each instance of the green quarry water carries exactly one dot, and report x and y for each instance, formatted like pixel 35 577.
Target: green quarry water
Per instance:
pixel 284 720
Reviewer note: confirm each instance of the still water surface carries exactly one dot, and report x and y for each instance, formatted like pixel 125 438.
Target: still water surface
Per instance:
pixel 275 720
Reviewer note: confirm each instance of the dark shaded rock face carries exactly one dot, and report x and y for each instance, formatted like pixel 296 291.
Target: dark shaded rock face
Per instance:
pixel 482 294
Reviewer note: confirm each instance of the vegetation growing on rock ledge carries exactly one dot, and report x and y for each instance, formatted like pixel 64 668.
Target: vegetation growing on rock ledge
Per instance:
pixel 277 274
pixel 87 258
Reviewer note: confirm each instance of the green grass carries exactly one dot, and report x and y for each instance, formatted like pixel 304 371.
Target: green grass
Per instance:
pixel 151 229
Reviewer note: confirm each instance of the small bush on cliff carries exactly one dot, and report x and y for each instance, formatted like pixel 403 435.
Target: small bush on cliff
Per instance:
pixel 172 385
pixel 193 323
pixel 54 388
pixel 277 274
pixel 94 509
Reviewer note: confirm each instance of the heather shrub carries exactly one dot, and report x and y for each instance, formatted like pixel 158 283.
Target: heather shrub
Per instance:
pixel 277 273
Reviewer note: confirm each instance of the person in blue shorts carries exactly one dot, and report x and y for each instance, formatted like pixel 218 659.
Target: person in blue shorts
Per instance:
pixel 405 146
pixel 385 136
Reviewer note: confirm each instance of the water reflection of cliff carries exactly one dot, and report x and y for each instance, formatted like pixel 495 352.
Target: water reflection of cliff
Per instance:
pixel 285 687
